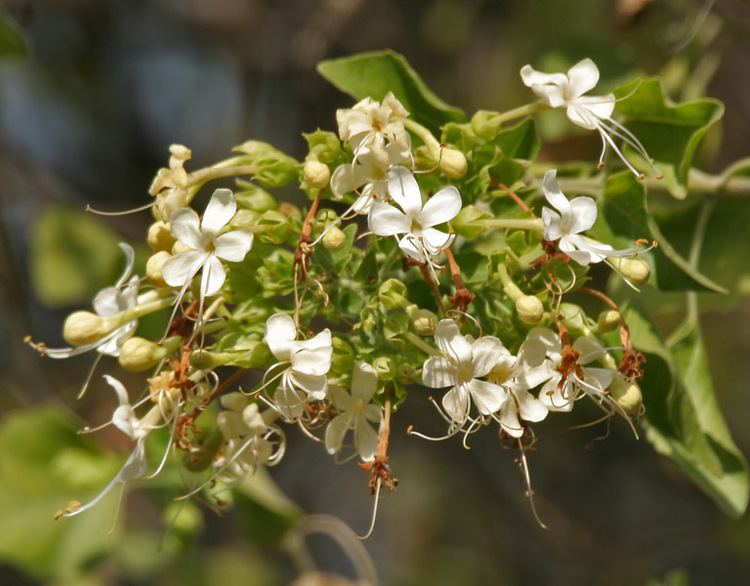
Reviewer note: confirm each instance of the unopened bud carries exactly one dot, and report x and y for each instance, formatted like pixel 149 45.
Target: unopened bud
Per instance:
pixel 529 309
pixel 424 322
pixel 385 368
pixel 159 236
pixel 244 219
pixel 468 222
pixel 139 354
pixel 316 174
pixel 290 210
pixel 154 266
pixel 253 419
pixel 235 401
pixel 627 395
pixel 634 270
pixel 230 424
pixel 334 239
pixel 609 320
pixel 392 294
pixel 180 152
pixel 83 327
pixel 274 227
pixel 453 163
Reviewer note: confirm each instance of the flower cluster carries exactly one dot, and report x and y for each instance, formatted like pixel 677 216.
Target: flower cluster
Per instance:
pixel 330 321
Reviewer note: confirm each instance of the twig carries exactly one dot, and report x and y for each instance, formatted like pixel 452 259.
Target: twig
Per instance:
pixel 512 195
pixel 302 253
pixel 463 296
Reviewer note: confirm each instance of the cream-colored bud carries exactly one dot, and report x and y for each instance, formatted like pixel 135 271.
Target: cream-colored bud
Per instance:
pixel 316 174
pixel 634 270
pixel 609 320
pixel 83 327
pixel 179 247
pixel 453 163
pixel 180 152
pixel 529 309
pixel 154 266
pixel 230 424
pixel 425 322
pixel 139 354
pixel 334 239
pixel 235 401
pixel 627 395
pixel 159 236
pixel 253 419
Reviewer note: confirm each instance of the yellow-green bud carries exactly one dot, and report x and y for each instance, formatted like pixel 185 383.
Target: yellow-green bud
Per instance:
pixel 385 368
pixel 316 174
pixel 139 354
pixel 154 266
pixel 574 318
pixel 627 395
pixel 179 247
pixel 159 236
pixel 609 320
pixel 453 163
pixel 392 294
pixel 634 270
pixel 290 210
pixel 343 355
pixel 244 219
pixel 424 322
pixel 83 327
pixel 468 223
pixel 529 309
pixel 274 227
pixel 334 239
pixel 485 124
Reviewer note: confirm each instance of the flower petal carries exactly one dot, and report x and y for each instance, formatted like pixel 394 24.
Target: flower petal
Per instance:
pixel 404 190
pixel 314 385
pixel 450 341
pixel 435 240
pixel 484 354
pixel 340 398
pixel 213 276
pixel 129 263
pixel 182 267
pixel 582 214
pixel 336 430
pixel 386 220
pixel 548 86
pixel 439 372
pixel 554 195
pixel 364 381
pixel 219 211
pixel 552 224
pixel 185 226
pixel 411 247
pixel 290 401
pixel 456 403
pixel 440 208
pixel 590 349
pixel 598 106
pixel 279 334
pixel 365 438
pixel 233 246
pixel 488 397
pixel 583 77
pixel 509 420
pixel 530 408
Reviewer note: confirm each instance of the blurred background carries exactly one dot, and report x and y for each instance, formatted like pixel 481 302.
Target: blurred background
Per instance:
pixel 86 117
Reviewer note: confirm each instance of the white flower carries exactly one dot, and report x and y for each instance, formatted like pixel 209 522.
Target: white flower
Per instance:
pixel 372 125
pixel 356 412
pixel 308 360
pixel 136 465
pixel 249 439
pixel 571 218
pixel 560 90
pixel 463 364
pixel 416 222
pixel 170 184
pixel 109 301
pixel 207 246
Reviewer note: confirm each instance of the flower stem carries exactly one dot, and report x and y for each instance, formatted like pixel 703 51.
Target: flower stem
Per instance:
pixel 510 288
pixel 520 112
pixel 425 136
pixel 421 344
pixel 463 296
pixel 534 224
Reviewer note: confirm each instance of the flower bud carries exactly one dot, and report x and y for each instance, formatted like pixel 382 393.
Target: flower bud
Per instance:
pixel 627 395
pixel 316 174
pixel 235 401
pixel 468 222
pixel 178 247
pixel 529 309
pixel 334 239
pixel 180 152
pixel 154 266
pixel 255 198
pixel 290 210
pixel 159 236
pixel 138 354
pixel 244 219
pixel 574 319
pixel 392 294
pixel 609 320
pixel 274 227
pixel 453 163
pixel 272 167
pixel 485 123
pixel 424 322
pixel 253 419
pixel 83 327
pixel 634 270
pixel 343 355
pixel 385 368
pixel 230 424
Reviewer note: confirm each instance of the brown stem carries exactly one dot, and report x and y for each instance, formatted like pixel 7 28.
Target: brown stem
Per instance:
pixel 233 378
pixel 601 296
pixel 512 195
pixel 379 470
pixel 463 296
pixel 301 254
pixel 433 286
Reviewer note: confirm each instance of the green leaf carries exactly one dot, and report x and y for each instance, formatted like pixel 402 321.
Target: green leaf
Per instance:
pixel 375 74
pixel 670 132
pixel 73 255
pixel 625 213
pixel 683 420
pixel 12 41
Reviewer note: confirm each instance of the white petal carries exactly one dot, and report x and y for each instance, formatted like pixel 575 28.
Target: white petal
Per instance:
pixel 119 388
pixel 598 106
pixel 291 402
pixel 484 354
pixel 435 240
pixel 552 192
pixel 583 77
pixel 548 86
pixel 364 381
pixel 438 373
pixel 440 208
pixel 182 267
pixel 365 438
pixel 404 190
pixel 342 180
pixel 386 220
pixel 280 332
pixel 487 397
pixel 590 349
pixel 568 245
pixel 456 403
pixel 336 430
pixel 129 263
pixel 539 343
pixel 314 385
pixel 530 408
pixel 554 399
pixel 582 214
pixel 509 420
pixel 185 226
pixel 233 246
pixel 340 398
pixel 582 116
pixel 597 379
pixel 219 211
pixel 108 302
pixel 552 224
pixel 412 248
pixel 450 341
pixel 213 276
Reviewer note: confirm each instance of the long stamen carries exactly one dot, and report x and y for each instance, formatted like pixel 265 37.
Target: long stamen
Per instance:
pixel 527 479
pixel 122 213
pixel 374 511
